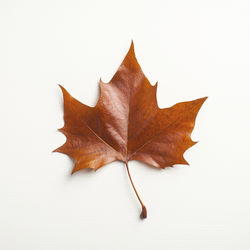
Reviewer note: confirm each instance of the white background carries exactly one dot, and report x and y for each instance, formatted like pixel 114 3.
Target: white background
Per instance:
pixel 194 49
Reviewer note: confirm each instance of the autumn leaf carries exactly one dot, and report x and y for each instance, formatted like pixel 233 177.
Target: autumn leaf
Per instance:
pixel 127 124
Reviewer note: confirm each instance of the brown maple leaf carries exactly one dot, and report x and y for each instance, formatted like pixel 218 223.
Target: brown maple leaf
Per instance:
pixel 127 124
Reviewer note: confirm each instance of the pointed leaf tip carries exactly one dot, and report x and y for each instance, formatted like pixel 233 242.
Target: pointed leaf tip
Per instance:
pixel 131 48
pixel 130 60
pixel 62 88
pixel 64 91
pixel 204 98
pixel 132 43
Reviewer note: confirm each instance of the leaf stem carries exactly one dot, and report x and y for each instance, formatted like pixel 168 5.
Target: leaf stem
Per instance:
pixel 144 209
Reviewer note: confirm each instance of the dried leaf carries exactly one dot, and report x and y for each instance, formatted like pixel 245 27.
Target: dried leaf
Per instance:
pixel 127 124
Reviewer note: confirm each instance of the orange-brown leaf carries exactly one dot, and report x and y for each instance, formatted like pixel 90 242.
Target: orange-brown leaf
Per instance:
pixel 127 124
